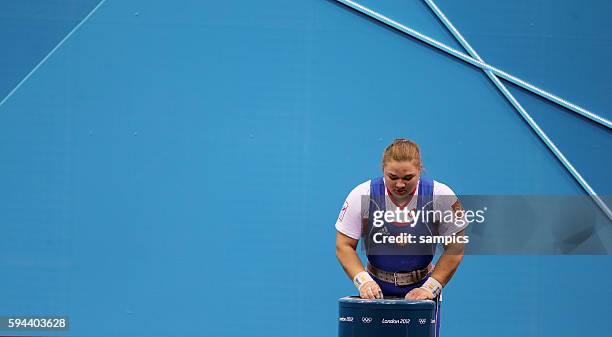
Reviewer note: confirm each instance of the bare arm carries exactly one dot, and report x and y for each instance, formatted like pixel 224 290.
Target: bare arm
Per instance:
pixel 445 268
pixel 346 251
pixel 449 262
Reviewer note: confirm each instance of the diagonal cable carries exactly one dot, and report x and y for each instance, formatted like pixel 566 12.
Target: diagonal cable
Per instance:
pixel 466 58
pixel 51 53
pixel 553 148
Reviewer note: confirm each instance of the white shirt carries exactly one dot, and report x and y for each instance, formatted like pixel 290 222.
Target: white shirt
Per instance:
pixel 355 209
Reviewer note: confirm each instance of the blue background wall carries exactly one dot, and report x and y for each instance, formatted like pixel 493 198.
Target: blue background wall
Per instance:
pixel 176 168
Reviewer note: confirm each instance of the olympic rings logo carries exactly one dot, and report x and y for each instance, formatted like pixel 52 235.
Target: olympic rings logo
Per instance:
pixel 366 320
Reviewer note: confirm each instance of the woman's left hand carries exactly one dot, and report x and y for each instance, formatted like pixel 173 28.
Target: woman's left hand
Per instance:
pixel 417 294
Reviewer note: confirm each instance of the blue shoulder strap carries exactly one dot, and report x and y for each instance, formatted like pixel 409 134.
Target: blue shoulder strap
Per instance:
pixel 377 193
pixel 425 198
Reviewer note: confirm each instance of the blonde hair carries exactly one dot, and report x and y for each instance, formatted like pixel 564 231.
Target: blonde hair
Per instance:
pixel 403 150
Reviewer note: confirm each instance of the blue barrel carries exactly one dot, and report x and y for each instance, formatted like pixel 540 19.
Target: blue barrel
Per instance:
pixel 389 317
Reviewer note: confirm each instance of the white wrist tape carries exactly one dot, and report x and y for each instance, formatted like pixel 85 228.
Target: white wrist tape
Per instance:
pixel 433 286
pixel 362 278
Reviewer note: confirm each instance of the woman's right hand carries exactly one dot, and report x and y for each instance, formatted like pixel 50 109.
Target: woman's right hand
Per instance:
pixel 370 290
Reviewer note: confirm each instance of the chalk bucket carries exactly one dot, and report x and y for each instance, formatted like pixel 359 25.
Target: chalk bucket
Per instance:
pixel 389 317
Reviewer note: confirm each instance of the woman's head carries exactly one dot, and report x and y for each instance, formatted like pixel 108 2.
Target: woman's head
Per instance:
pixel 402 167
